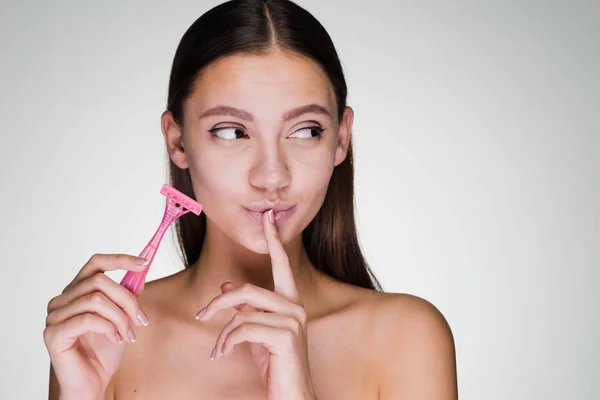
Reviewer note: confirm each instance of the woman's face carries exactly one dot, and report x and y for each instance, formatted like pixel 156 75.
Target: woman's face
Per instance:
pixel 260 132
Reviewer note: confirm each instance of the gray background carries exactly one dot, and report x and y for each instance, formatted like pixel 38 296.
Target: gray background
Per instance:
pixel 477 173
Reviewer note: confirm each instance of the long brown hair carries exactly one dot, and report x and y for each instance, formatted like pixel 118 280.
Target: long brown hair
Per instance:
pixel 259 27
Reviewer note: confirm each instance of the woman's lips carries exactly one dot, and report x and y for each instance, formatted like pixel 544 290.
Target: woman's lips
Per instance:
pixel 280 216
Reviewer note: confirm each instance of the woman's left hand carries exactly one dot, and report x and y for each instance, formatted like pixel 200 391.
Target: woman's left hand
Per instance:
pixel 273 322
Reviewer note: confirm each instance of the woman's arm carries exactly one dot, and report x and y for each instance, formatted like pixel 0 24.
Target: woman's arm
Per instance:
pixel 417 354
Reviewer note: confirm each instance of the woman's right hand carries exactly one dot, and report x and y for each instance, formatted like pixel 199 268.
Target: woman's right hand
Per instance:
pixel 89 324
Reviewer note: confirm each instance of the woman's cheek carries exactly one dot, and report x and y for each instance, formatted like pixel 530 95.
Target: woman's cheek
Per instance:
pixel 311 181
pixel 313 169
pixel 211 169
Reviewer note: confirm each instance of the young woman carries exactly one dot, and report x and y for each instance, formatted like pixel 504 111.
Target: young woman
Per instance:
pixel 276 300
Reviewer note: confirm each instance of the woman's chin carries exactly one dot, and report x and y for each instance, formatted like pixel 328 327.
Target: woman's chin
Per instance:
pixel 254 244
pixel 259 247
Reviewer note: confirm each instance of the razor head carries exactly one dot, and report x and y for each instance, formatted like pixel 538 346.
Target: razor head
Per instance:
pixel 180 198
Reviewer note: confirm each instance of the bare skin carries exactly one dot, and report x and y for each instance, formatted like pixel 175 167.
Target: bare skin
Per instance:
pixel 355 343
pixel 350 333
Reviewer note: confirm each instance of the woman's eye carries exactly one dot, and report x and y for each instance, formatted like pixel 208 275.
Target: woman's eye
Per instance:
pixel 227 133
pixel 308 132
pixel 231 133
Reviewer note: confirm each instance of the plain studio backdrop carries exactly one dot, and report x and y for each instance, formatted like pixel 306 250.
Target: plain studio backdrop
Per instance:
pixel 477 169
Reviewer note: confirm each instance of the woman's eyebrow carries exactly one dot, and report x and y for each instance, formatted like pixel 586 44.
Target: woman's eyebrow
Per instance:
pixel 229 111
pixel 309 108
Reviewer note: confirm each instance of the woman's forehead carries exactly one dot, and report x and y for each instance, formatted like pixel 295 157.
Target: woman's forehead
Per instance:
pixel 277 77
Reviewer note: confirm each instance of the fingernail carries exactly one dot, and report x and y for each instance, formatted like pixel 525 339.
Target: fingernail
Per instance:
pixel 225 283
pixel 200 313
pixel 131 335
pixel 212 353
pixel 141 316
pixel 119 338
pixel 271 217
pixel 141 261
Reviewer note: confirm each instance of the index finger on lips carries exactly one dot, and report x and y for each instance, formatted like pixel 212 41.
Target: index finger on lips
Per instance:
pixel 285 284
pixel 108 262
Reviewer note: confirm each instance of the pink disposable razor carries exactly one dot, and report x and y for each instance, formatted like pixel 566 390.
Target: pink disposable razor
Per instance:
pixel 177 205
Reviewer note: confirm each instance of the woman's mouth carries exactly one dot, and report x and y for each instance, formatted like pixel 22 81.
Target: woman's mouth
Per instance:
pixel 280 215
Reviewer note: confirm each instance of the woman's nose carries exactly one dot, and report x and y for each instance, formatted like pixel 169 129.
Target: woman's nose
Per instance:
pixel 270 170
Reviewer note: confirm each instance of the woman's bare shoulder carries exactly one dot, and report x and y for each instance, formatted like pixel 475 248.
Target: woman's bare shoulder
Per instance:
pixel 408 340
pixel 395 316
pixel 387 308
pixel 413 344
pixel 400 308
pixel 385 316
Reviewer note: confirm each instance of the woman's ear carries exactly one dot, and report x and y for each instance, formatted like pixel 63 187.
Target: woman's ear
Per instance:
pixel 344 135
pixel 174 139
